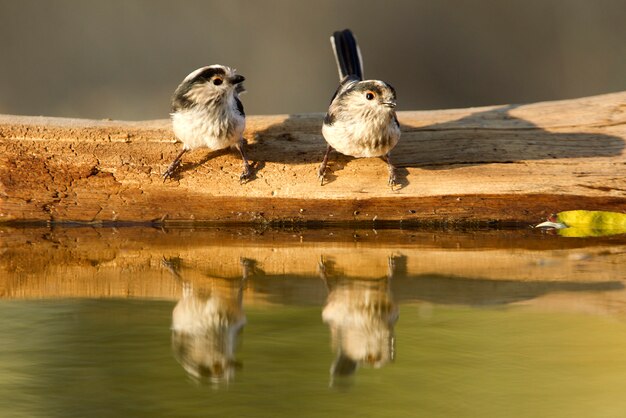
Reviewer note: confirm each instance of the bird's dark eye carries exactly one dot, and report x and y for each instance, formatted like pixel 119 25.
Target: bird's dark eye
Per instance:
pixel 217 81
pixel 369 95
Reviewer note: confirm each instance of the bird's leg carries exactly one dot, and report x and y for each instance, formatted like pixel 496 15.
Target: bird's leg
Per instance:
pixel 175 164
pixel 322 170
pixel 392 170
pixel 248 267
pixel 322 270
pixel 391 266
pixel 247 171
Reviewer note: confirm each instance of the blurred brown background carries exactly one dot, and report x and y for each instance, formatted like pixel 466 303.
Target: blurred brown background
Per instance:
pixel 122 59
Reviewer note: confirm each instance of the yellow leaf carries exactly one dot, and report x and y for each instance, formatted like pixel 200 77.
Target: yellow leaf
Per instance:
pixel 587 223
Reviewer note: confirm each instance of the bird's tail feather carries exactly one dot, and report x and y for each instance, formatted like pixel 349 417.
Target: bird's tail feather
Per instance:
pixel 347 54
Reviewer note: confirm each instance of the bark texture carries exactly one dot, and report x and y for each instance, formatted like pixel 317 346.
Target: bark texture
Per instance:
pixel 512 163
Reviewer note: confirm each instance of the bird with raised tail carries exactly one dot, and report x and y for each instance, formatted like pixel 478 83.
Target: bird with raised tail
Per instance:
pixel 361 119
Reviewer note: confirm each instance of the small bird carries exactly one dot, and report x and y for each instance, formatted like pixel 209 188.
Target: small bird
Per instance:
pixel 361 119
pixel 207 112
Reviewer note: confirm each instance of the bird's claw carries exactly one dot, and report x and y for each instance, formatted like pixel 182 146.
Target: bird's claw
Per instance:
pixel 170 170
pixel 392 181
pixel 391 266
pixel 245 175
pixel 321 174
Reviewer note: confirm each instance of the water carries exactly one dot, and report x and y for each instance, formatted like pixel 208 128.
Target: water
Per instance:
pixel 209 322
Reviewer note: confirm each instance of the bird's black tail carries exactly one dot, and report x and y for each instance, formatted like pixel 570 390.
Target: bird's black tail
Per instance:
pixel 347 54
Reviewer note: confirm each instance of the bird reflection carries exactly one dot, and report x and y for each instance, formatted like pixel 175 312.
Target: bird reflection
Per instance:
pixel 361 315
pixel 207 321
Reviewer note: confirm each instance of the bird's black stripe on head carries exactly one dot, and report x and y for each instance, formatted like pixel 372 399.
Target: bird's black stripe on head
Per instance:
pixel 180 100
pixel 375 87
pixel 368 86
pixel 207 74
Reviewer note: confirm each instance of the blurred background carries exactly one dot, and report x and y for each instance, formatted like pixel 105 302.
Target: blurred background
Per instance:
pixel 122 59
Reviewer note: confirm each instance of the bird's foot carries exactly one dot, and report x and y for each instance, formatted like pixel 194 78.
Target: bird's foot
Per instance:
pixel 246 175
pixel 391 266
pixel 393 181
pixel 171 170
pixel 321 173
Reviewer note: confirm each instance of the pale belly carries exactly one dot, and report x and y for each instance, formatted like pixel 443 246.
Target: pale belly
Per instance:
pixel 361 141
pixel 196 128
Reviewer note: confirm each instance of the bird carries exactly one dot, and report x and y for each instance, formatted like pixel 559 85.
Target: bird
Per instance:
pixel 206 112
pixel 361 119
pixel 209 318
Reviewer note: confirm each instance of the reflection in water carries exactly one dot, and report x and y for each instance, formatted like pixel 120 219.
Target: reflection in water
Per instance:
pixel 361 315
pixel 494 323
pixel 207 321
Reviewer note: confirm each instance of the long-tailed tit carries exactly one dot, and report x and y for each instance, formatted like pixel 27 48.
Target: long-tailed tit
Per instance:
pixel 361 120
pixel 207 112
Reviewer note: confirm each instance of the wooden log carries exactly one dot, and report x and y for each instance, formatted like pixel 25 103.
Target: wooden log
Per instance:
pixel 514 163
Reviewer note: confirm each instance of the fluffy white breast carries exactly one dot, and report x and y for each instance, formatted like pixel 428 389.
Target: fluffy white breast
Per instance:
pixel 202 126
pixel 371 137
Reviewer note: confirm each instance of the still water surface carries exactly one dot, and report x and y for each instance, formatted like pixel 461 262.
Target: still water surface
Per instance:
pixel 146 322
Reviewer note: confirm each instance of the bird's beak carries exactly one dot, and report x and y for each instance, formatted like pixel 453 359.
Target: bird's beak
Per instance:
pixel 389 104
pixel 548 224
pixel 236 79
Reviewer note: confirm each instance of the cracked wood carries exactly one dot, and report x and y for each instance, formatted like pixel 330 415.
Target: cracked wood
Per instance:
pixel 512 163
